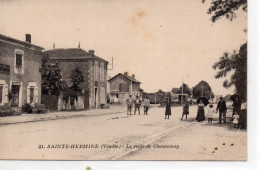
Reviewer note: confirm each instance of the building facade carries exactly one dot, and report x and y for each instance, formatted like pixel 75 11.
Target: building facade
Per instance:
pixel 94 71
pixel 20 77
pixel 123 85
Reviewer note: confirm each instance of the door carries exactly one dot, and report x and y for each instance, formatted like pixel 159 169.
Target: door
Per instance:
pixel 15 95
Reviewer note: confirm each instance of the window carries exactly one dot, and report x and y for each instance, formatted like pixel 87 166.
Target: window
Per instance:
pixel 32 93
pixel 102 72
pixel 96 70
pixel 1 93
pixel 19 61
pixel 123 87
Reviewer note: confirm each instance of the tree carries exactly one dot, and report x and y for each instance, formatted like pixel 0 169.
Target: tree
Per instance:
pixel 77 78
pixel 160 91
pixel 52 80
pixel 186 89
pixel 202 89
pixel 236 63
pixel 227 8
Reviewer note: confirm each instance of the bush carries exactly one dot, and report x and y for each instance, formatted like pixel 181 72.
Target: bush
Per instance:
pixel 27 108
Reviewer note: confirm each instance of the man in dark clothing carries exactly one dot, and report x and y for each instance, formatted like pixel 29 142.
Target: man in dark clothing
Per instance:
pixel 137 103
pixel 222 108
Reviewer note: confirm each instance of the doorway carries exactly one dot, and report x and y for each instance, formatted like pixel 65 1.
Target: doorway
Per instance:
pixel 15 95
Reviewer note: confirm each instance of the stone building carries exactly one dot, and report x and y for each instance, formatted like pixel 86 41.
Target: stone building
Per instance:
pixel 123 85
pixel 20 77
pixel 94 71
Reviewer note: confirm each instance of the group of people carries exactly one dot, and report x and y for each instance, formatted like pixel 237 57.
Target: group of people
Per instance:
pixel 136 103
pixel 221 108
pixel 238 114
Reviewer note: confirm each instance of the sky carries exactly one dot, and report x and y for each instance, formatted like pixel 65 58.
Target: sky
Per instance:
pixel 162 42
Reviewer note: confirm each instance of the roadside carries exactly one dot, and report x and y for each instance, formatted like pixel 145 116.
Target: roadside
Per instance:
pixel 25 118
pixel 35 117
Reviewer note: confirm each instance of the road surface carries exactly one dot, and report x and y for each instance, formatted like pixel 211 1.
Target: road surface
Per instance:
pixel 122 137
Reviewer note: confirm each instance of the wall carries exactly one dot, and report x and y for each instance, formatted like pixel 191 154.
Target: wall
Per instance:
pixel 50 101
pixel 136 88
pixel 114 84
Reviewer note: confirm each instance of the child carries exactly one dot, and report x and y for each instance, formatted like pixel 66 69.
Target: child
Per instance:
pixel 210 113
pixel 235 120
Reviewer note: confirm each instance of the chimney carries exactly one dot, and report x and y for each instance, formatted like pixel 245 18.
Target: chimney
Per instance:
pixel 91 52
pixel 133 76
pixel 79 45
pixel 125 73
pixel 28 38
pixel 53 45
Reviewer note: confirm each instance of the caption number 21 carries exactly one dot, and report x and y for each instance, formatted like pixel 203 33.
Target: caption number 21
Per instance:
pixel 41 147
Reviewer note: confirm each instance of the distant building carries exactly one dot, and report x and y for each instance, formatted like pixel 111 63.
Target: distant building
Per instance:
pixel 155 98
pixel 94 71
pixel 20 77
pixel 178 97
pixel 123 85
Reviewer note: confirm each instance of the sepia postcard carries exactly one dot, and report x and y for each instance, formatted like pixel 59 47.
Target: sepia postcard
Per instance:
pixel 123 80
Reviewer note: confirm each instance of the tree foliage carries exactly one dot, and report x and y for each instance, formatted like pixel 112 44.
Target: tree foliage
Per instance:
pixel 236 64
pixel 225 8
pixel 202 89
pixel 186 89
pixel 52 80
pixel 77 78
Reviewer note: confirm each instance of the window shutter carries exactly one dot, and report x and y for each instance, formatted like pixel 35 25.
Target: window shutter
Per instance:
pixel 36 94
pixel 5 91
pixel 28 94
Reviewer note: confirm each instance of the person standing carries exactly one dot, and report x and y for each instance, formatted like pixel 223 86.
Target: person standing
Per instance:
pixel 222 108
pixel 129 103
pixel 137 104
pixel 146 105
pixel 201 113
pixel 185 110
pixel 236 120
pixel 210 113
pixel 168 108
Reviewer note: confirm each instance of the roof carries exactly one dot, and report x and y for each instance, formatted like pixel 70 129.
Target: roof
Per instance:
pixel 126 76
pixel 71 53
pixel 23 43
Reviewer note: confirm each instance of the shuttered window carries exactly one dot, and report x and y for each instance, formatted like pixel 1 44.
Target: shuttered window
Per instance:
pixel 123 87
pixel 32 93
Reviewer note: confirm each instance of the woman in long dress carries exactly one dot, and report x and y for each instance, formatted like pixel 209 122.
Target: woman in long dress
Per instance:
pixel 168 108
pixel 201 114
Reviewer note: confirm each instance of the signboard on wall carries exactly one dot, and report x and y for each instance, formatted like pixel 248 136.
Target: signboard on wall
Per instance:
pixel 4 69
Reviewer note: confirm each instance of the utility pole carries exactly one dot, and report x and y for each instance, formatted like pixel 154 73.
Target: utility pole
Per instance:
pixel 202 91
pixel 112 65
